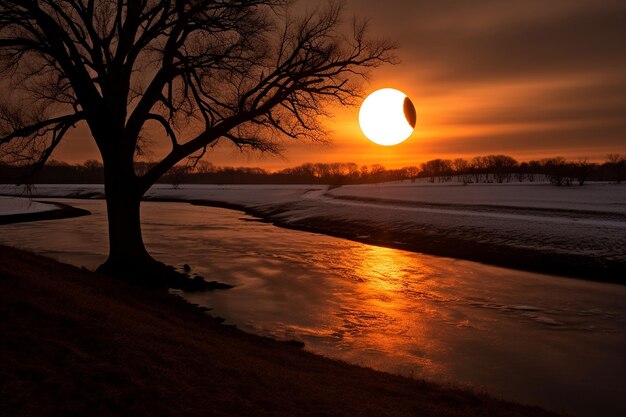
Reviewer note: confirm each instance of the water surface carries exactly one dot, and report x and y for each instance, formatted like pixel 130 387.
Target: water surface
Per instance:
pixel 533 338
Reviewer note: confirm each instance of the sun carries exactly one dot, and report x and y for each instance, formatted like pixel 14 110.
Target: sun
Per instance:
pixel 387 117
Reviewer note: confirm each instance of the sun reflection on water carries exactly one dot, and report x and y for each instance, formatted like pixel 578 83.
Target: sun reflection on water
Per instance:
pixel 382 315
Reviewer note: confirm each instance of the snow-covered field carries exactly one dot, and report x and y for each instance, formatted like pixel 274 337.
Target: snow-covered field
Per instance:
pixel 599 197
pixel 244 195
pixel 545 221
pixel 594 197
pixel 17 205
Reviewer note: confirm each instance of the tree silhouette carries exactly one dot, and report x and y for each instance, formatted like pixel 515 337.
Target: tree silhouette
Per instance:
pixel 556 170
pixel 502 167
pixel 248 71
pixel 617 165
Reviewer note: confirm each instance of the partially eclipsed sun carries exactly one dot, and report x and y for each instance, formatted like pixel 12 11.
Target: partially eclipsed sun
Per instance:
pixel 387 117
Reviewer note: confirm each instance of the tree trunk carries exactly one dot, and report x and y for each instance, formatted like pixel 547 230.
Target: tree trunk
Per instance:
pixel 127 253
pixel 128 257
pixel 126 247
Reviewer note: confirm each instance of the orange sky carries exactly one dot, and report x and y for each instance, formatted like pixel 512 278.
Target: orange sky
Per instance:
pixel 530 79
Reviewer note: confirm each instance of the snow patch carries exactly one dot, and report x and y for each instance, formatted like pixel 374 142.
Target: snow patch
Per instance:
pixel 16 205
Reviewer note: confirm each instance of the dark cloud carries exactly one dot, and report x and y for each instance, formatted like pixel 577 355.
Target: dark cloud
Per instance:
pixel 551 74
pixel 597 102
pixel 582 140
pixel 584 43
pixel 461 41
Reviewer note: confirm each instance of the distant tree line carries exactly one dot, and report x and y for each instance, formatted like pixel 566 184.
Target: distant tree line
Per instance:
pixel 91 172
pixel 503 169
pixel 480 169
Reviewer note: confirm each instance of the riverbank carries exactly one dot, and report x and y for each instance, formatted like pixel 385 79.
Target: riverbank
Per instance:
pixel 78 343
pixel 459 244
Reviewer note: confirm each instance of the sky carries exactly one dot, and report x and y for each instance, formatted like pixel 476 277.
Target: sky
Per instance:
pixel 530 79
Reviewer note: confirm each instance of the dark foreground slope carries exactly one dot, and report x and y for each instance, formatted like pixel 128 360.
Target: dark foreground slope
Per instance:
pixel 76 343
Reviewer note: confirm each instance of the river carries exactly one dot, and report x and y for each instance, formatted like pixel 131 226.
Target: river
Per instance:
pixel 533 338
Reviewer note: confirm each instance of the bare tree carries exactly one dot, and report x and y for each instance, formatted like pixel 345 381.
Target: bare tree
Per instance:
pixel 522 171
pixel 177 175
pixel 617 165
pixel 583 169
pixel 461 168
pixel 204 167
pixel 352 170
pixel 411 172
pixel 556 170
pixel 478 164
pixel 534 167
pixel 502 167
pixel 247 71
pixel 437 168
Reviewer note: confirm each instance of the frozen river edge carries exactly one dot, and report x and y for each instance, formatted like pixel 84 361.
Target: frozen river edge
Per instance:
pixel 438 242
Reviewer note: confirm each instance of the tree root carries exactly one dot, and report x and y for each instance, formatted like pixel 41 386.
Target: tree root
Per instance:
pixel 154 274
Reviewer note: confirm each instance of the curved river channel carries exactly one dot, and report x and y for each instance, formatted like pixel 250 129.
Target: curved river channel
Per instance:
pixel 537 339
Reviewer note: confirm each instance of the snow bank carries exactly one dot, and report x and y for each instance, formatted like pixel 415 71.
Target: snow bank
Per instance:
pixel 234 194
pixel 598 197
pixel 15 205
pixel 245 195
